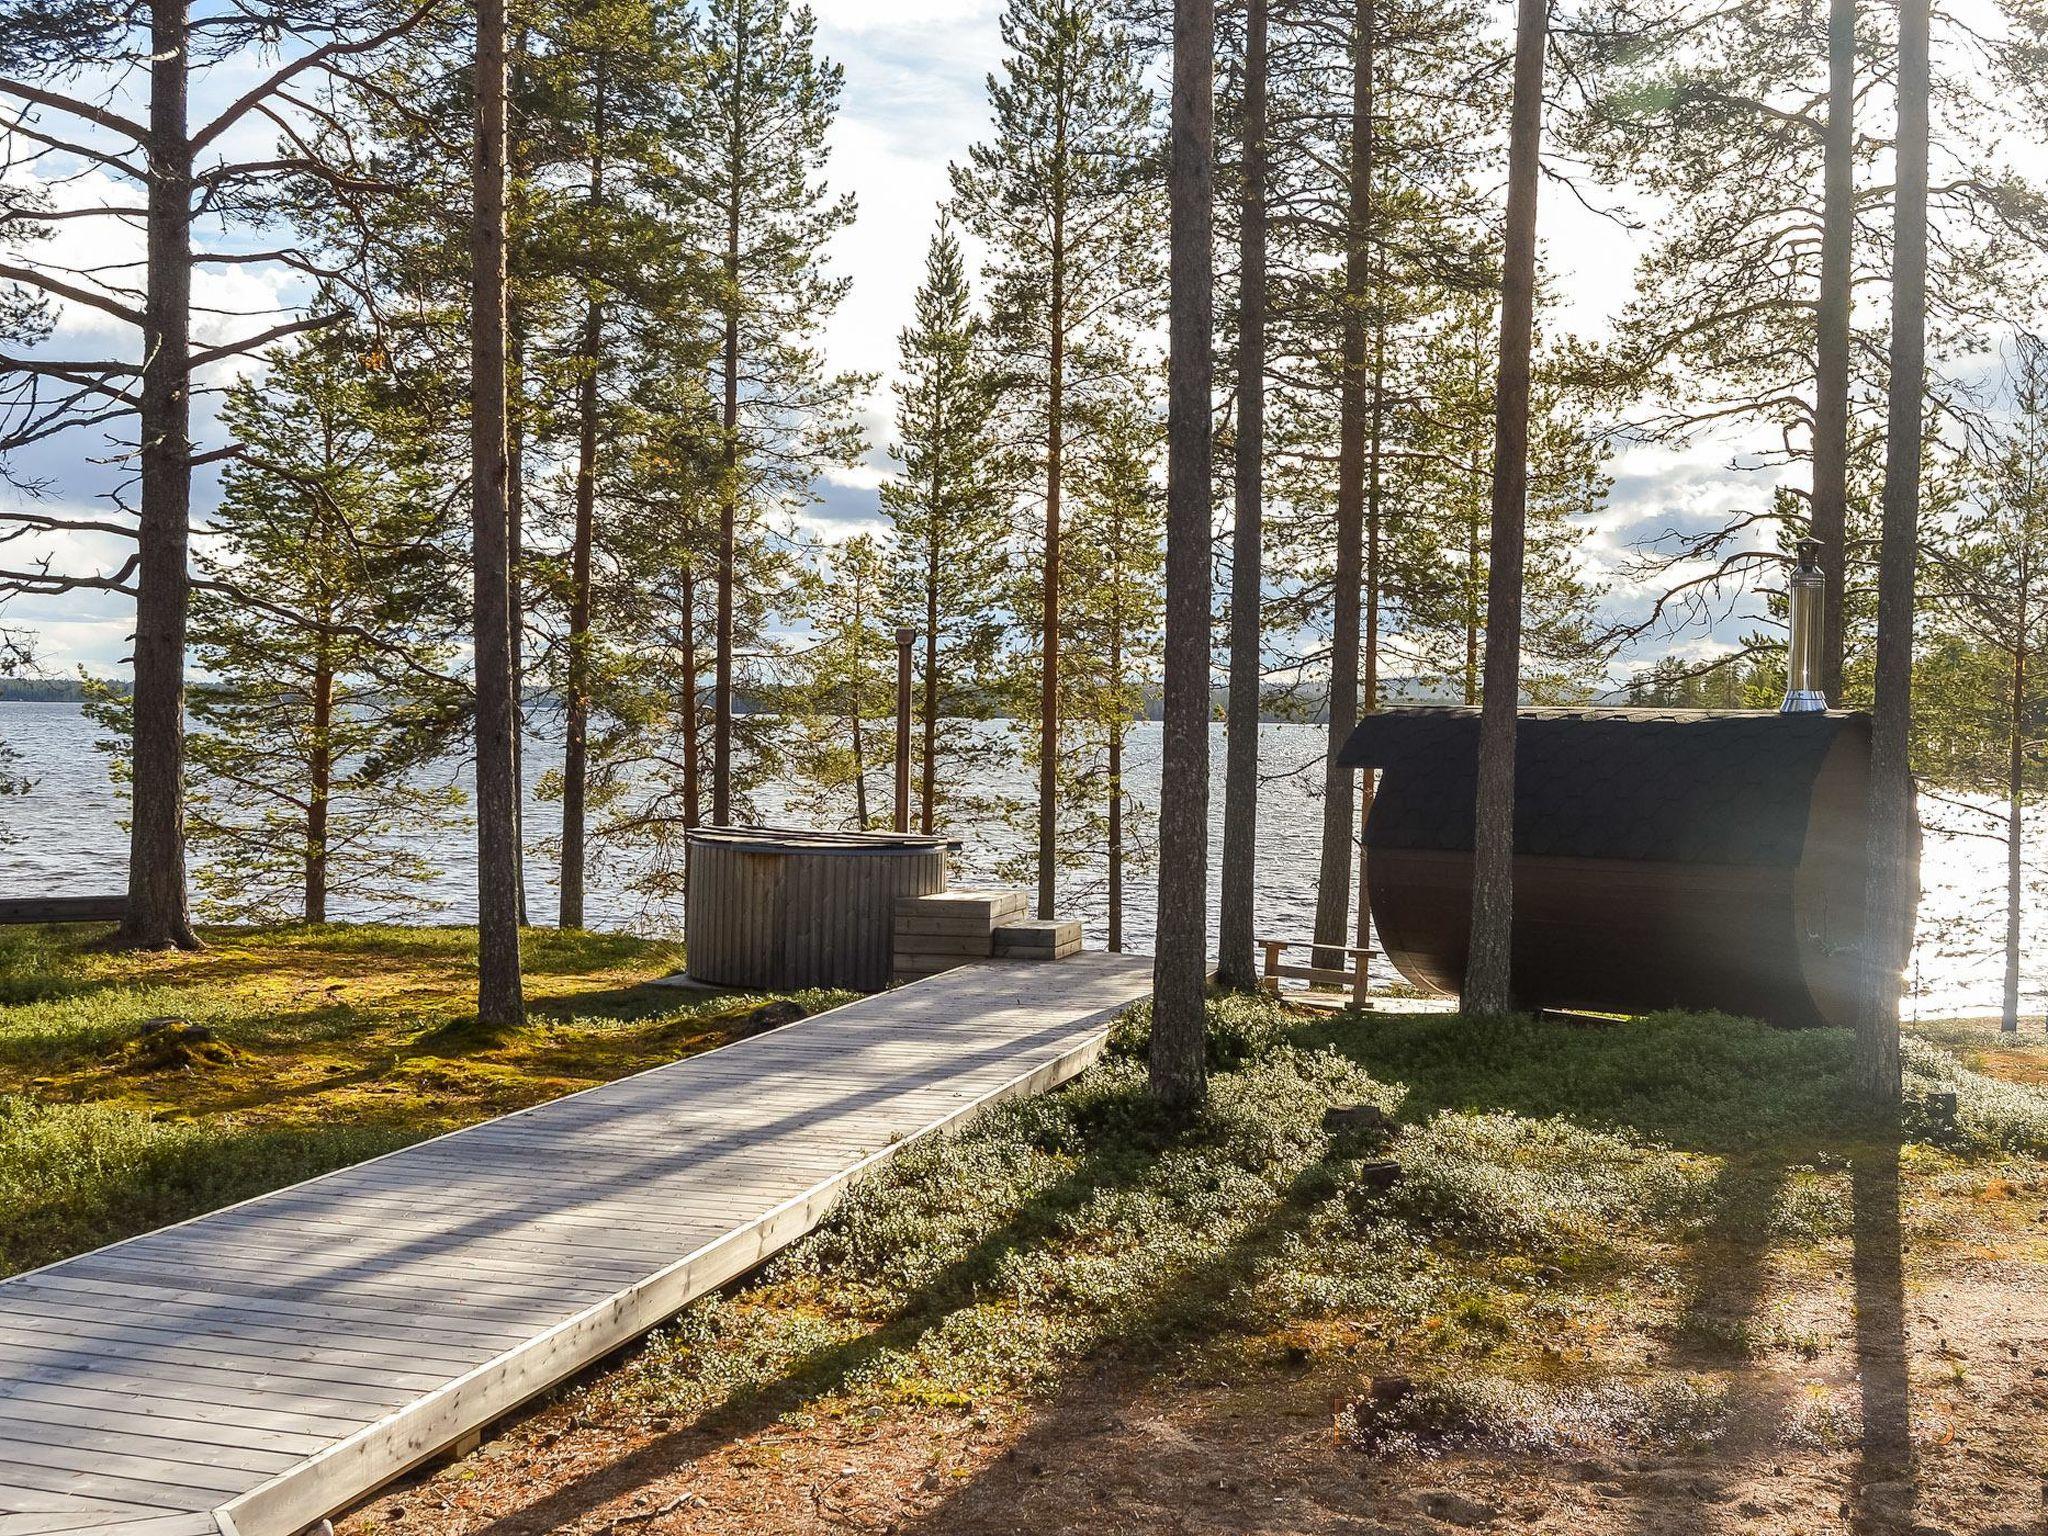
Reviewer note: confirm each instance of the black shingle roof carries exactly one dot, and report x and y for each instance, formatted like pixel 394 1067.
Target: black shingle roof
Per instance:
pixel 1685 786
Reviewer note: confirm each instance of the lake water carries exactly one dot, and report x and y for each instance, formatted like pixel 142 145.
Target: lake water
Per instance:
pixel 66 839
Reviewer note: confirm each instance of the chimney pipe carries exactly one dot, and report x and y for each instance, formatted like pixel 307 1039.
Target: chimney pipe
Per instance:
pixel 1804 599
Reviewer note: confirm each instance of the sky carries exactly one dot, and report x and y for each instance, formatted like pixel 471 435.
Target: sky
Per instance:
pixel 914 101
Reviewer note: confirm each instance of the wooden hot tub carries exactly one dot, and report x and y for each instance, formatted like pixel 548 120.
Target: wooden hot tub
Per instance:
pixel 778 908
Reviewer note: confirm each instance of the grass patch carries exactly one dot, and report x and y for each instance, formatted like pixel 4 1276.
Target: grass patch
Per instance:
pixel 138 1089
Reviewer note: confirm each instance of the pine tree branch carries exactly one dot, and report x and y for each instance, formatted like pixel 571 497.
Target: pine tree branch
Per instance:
pixel 58 288
pixel 253 98
pixel 100 117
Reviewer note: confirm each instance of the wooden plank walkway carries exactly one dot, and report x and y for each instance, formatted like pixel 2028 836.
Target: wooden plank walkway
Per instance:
pixel 253 1370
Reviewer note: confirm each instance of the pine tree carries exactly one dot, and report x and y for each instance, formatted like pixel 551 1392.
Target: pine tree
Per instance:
pixel 611 82
pixel 324 702
pixel 72 78
pixel 1374 223
pixel 1487 979
pixel 1981 719
pixel 1066 199
pixel 1890 895
pixel 1438 562
pixel 500 1000
pixel 761 108
pixel 1247 542
pixel 948 523
pixel 1113 618
pixel 844 696
pixel 1177 1060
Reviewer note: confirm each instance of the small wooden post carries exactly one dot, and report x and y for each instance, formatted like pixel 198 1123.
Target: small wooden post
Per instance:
pixel 1270 980
pixel 905 638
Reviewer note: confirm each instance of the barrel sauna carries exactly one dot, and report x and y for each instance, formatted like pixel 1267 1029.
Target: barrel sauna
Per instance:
pixel 1688 859
pixel 777 909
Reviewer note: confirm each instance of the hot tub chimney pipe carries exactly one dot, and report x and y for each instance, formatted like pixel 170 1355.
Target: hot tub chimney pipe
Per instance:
pixel 1805 596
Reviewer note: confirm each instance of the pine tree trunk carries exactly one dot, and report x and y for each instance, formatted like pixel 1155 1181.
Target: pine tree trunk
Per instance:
pixel 692 802
pixel 515 562
pixel 576 683
pixel 729 495
pixel 576 690
pixel 1831 372
pixel 860 764
pixel 1178 1068
pixel 158 915
pixel 1890 892
pixel 1116 829
pixel 1333 879
pixel 499 1000
pixel 515 464
pixel 320 789
pixel 1049 601
pixel 928 778
pixel 1488 984
pixel 1235 964
pixel 2015 825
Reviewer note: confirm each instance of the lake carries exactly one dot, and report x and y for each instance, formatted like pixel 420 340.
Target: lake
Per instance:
pixel 67 840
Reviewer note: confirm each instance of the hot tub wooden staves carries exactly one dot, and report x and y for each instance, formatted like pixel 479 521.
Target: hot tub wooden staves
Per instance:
pixel 779 909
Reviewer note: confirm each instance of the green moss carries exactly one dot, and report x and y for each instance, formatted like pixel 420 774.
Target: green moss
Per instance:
pixel 145 1088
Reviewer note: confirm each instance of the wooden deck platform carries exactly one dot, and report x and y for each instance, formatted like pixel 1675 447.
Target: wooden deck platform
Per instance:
pixel 256 1369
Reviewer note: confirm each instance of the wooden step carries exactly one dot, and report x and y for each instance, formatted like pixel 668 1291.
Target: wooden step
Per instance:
pixel 1060 953
pixel 974 946
pixel 1037 933
pixel 985 905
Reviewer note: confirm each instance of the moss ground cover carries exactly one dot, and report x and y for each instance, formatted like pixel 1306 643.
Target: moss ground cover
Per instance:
pixel 140 1089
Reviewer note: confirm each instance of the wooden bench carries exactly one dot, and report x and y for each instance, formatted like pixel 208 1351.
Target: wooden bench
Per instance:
pixel 62 909
pixel 1354 975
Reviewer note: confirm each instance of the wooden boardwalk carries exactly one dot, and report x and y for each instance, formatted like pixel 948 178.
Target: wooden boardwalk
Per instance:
pixel 254 1370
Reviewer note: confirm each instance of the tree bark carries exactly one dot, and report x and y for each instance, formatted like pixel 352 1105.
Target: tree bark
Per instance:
pixel 576 683
pixel 728 503
pixel 1488 984
pixel 320 789
pixel 2015 824
pixel 1116 835
pixel 515 561
pixel 1235 964
pixel 1049 601
pixel 576 690
pixel 928 775
pixel 500 1003
pixel 159 916
pixel 1333 879
pixel 1178 1068
pixel 692 795
pixel 1830 509
pixel 1890 892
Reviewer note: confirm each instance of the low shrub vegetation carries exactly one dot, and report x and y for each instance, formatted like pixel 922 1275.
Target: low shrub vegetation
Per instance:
pixel 1552 1188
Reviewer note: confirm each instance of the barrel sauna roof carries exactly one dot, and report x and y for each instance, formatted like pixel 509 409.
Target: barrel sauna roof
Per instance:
pixel 1679 786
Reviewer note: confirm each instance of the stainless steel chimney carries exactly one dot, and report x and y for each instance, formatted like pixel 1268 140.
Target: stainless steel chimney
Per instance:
pixel 1806 598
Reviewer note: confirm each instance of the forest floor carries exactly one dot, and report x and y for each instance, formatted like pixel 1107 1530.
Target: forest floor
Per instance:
pixel 137 1090
pixel 1642 1278
pixel 1633 1278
